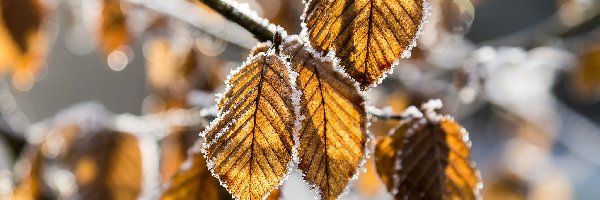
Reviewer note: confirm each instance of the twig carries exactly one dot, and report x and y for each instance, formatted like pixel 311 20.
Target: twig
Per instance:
pixel 386 115
pixel 194 16
pixel 259 27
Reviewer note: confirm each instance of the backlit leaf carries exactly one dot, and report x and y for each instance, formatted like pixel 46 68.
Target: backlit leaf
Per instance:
pixel 249 146
pixel 428 158
pixel 193 181
pixel 113 26
pixel 333 135
pixel 385 154
pixel 108 165
pixel 368 36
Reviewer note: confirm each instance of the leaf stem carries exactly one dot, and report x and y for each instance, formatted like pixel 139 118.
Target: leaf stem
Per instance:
pixel 259 27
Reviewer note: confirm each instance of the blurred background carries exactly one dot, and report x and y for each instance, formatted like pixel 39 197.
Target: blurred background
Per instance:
pixel 522 76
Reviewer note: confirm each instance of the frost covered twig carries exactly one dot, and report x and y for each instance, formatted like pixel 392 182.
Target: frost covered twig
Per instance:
pixel 388 115
pixel 191 14
pixel 259 27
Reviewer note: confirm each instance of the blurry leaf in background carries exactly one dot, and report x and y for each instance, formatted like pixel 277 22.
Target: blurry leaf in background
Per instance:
pixel 165 66
pixel 506 186
pixel 586 76
pixel 29 176
pixel 457 15
pixel 369 183
pixel 113 31
pixel 108 165
pixel 193 181
pixel 175 69
pixel 203 72
pixel 22 41
pixel 249 147
pixel 57 145
pixel 175 149
pixel 368 36
pixel 428 158
pixel 333 135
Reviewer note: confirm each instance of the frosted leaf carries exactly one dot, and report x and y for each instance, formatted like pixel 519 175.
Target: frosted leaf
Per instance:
pixel 370 41
pixel 256 125
pixel 333 113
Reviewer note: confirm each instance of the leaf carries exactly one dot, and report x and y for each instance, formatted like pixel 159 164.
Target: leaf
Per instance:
pixel 249 146
pixel 333 135
pixel 31 184
pixel 428 158
pixel 192 181
pixel 113 27
pixel 175 149
pixel 108 166
pixel 386 151
pixel 368 36
pixel 22 41
pixel 586 76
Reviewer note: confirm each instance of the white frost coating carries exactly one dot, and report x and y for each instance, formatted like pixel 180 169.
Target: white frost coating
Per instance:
pixel 412 112
pixel 150 165
pixel 429 108
pixel 406 53
pixel 91 117
pixel 398 161
pixel 297 126
pixel 432 117
pixel 427 9
pixel 295 101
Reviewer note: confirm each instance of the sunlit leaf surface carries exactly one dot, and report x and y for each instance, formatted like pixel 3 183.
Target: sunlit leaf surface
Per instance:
pixel 368 36
pixel 333 135
pixel 249 147
pixel 193 181
pixel 428 159
pixel 108 165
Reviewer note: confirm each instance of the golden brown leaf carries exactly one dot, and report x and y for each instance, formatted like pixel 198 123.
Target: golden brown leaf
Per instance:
pixel 367 35
pixel 429 158
pixel 175 150
pixel 193 182
pixel 507 186
pixel 108 165
pixel 113 26
pixel 275 195
pixel 249 147
pixel 22 40
pixel 333 135
pixel 385 155
pixel 586 77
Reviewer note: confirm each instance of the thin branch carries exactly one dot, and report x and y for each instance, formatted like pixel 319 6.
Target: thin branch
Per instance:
pixel 386 115
pixel 259 27
pixel 196 17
